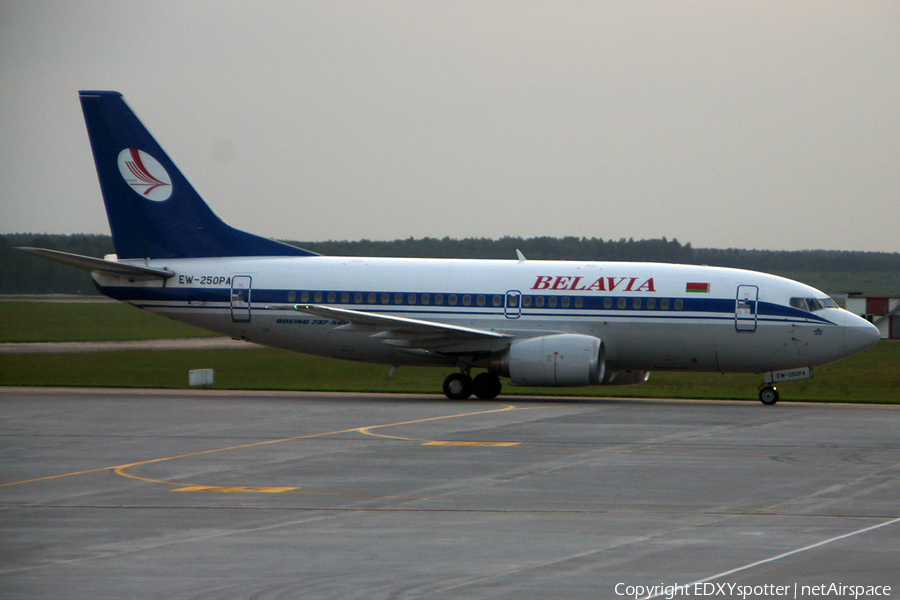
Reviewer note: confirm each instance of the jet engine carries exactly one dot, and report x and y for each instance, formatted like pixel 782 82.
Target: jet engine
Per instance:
pixel 562 360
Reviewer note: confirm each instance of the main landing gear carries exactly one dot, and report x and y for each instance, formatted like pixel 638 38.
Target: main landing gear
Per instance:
pixel 459 386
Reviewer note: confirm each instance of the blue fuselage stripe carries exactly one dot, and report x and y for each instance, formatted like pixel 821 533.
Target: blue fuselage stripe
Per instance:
pixel 581 306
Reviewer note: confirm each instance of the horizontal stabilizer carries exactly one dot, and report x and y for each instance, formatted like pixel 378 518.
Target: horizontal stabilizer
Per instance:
pixel 110 267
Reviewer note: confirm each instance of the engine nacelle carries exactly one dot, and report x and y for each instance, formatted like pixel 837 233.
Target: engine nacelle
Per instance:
pixel 562 360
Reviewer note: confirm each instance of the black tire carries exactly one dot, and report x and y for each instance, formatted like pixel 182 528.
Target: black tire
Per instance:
pixel 458 386
pixel 768 396
pixel 486 386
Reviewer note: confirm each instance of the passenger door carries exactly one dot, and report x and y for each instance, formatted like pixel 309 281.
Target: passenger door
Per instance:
pixel 745 308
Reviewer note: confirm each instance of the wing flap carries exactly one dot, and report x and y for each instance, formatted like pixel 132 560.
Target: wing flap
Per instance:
pixel 406 333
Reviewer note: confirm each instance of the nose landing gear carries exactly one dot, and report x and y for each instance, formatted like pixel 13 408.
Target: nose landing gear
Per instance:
pixel 768 395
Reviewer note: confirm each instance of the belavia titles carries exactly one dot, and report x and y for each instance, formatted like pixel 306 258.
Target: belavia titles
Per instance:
pixel 601 284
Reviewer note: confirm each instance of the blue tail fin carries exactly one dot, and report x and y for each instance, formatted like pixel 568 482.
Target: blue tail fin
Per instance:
pixel 153 210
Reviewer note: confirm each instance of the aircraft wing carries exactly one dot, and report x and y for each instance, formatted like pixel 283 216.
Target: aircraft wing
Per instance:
pixel 412 333
pixel 110 267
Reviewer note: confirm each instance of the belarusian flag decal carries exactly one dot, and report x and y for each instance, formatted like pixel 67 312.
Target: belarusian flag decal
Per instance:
pixel 697 288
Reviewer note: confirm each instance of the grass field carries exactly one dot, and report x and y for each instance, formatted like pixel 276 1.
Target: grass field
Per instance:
pixel 873 376
pixel 40 321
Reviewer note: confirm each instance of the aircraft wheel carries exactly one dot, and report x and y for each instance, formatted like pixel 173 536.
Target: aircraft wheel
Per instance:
pixel 458 386
pixel 486 386
pixel 768 396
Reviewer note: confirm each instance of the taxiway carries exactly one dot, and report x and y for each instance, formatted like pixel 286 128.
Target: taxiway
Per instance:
pixel 206 494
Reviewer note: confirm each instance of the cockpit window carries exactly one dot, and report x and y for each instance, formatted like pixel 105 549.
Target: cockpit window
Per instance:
pixel 799 303
pixel 813 304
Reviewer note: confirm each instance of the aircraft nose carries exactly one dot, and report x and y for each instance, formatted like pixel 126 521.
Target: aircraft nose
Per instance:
pixel 859 335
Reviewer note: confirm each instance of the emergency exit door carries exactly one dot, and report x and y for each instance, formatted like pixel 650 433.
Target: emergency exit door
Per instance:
pixel 513 306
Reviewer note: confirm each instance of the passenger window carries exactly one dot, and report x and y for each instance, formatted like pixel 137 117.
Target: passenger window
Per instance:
pixel 304 297
pixel 385 298
pixel 579 302
pixel 621 302
pixel 467 300
pixel 551 303
pixel 566 301
pixel 372 297
pixel 498 300
pixel 539 302
pixel 439 299
pixel 526 301
pixel 426 299
pixel 332 296
pixel 607 303
pixel 664 304
pixel 679 304
pixel 636 303
pixel 317 297
pixel 651 303
pixel 292 296
pixel 398 298
pixel 480 300
pixel 345 297
pixel 451 300
pixel 357 297
pixel 411 299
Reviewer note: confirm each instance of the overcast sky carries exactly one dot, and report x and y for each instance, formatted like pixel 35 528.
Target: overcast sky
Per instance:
pixel 771 125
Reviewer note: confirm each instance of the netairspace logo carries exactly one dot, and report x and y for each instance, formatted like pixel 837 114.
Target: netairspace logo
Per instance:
pixel 736 590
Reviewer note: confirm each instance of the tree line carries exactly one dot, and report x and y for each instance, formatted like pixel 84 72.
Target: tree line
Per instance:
pixel 21 273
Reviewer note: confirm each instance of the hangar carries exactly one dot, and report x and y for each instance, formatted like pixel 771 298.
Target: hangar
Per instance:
pixel 881 311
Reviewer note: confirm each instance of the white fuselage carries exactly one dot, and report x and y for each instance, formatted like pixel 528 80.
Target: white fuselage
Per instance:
pixel 650 316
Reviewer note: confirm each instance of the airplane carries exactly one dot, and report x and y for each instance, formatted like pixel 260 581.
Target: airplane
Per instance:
pixel 538 323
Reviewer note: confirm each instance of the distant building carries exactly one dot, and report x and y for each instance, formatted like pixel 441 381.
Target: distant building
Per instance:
pixel 883 312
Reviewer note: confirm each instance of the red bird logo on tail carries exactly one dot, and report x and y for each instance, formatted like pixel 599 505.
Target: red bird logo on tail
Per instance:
pixel 144 174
